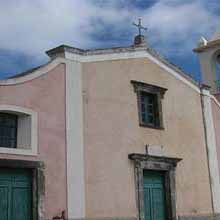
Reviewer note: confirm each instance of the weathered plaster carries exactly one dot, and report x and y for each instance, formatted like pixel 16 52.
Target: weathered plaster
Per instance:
pixel 200 217
pixel 31 86
pixel 130 55
pixel 211 149
pixel 75 148
pixel 216 121
pixel 112 132
pixel 207 59
pixel 104 56
pixel 44 95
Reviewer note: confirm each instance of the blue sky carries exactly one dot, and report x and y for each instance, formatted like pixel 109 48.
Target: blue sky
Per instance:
pixel 29 28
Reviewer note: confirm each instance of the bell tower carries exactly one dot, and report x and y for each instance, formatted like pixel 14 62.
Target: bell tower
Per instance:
pixel 209 57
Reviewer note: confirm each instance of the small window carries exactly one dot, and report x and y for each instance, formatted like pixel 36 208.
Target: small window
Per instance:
pixel 18 130
pixel 149 109
pixel 8 130
pixel 149 104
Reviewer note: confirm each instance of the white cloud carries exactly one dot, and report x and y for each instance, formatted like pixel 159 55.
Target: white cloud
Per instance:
pixel 31 27
pixel 183 24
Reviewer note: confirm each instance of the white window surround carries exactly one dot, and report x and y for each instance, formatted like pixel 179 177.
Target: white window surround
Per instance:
pixel 30 124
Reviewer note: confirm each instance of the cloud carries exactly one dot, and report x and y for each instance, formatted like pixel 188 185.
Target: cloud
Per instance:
pixel 180 25
pixel 31 27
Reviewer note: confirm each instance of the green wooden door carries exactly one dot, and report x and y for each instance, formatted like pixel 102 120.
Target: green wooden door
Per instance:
pixel 154 196
pixel 15 194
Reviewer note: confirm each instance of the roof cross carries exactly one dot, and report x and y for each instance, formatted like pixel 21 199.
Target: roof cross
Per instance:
pixel 139 26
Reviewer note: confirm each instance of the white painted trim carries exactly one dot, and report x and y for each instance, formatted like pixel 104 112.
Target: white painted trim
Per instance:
pixel 174 73
pixel 95 58
pixel 34 130
pixel 207 93
pixel 74 130
pixel 14 151
pixel 212 151
pixel 131 55
pixel 75 147
pixel 35 74
pixel 215 100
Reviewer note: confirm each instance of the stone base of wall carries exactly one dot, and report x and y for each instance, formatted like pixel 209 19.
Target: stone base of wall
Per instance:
pixel 200 217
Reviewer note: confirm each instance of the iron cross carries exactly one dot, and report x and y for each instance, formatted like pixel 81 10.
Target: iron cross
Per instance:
pixel 139 26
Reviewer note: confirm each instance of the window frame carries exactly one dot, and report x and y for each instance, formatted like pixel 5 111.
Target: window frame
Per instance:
pixel 15 118
pixel 32 150
pixel 140 87
pixel 144 100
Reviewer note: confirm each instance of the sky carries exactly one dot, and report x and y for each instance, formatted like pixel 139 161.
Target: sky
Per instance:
pixel 30 27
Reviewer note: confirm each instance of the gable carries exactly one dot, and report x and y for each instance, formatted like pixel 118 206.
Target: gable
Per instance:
pixel 144 54
pixel 119 72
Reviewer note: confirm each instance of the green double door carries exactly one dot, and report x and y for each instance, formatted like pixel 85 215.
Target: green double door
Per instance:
pixel 15 194
pixel 154 196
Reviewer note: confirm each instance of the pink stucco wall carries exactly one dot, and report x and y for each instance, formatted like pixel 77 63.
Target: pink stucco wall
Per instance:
pixel 46 96
pixel 112 131
pixel 216 119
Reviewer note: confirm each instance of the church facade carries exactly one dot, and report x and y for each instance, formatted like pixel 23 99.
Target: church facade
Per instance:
pixel 115 133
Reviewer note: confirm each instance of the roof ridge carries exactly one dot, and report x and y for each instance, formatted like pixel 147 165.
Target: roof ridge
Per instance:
pixel 100 51
pixel 177 68
pixel 28 71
